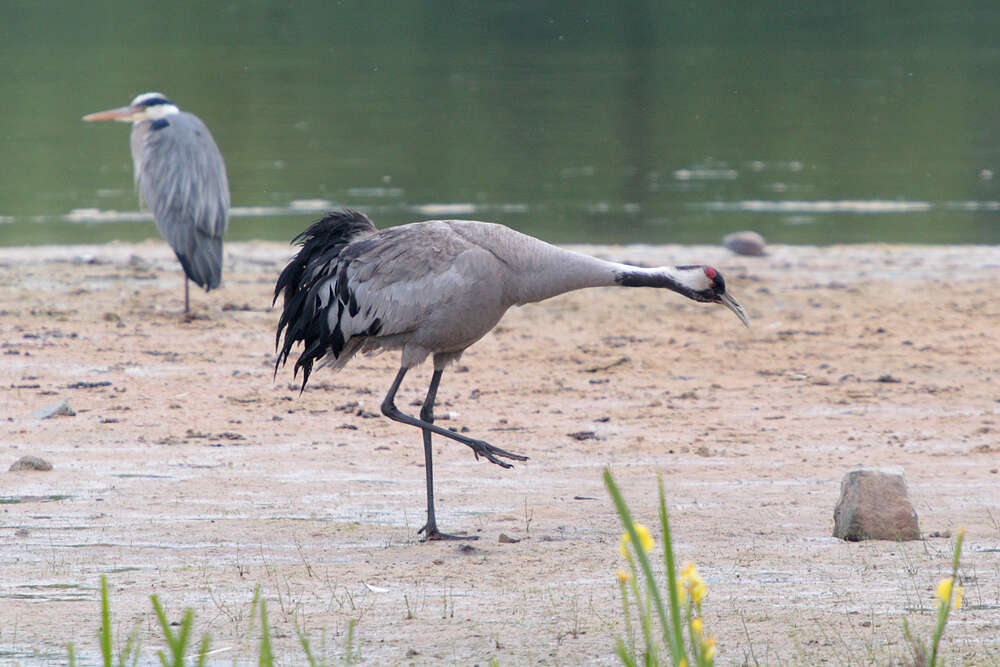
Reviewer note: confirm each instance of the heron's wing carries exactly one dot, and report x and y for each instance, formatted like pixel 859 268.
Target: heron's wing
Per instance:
pixel 181 176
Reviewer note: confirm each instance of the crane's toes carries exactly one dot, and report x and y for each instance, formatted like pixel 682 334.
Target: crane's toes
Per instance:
pixel 435 535
pixel 490 453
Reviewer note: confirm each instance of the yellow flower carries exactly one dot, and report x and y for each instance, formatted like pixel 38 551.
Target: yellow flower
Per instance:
pixel 693 583
pixel 944 590
pixel 683 663
pixel 696 625
pixel 698 591
pixel 623 576
pixel 708 648
pixel 958 597
pixel 645 540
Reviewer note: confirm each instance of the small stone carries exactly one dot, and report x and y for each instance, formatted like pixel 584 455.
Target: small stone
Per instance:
pixel 137 263
pixel 745 243
pixel 30 463
pixel 874 505
pixel 58 409
pixel 507 539
pixel 583 435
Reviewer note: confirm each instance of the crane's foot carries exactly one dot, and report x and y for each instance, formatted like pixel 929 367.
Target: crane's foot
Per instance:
pixel 490 453
pixel 435 535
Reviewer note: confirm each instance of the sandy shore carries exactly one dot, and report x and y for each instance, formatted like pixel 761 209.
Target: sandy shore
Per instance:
pixel 188 472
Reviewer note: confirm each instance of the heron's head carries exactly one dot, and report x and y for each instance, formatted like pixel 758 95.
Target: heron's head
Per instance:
pixel 706 284
pixel 148 106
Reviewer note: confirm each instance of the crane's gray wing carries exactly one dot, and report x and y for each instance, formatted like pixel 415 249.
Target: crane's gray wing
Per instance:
pixel 181 176
pixel 403 275
pixel 415 285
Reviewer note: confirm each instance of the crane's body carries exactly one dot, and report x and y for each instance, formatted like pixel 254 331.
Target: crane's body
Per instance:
pixel 433 289
pixel 181 176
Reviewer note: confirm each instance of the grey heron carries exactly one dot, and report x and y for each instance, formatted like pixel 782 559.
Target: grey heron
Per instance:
pixel 181 176
pixel 432 289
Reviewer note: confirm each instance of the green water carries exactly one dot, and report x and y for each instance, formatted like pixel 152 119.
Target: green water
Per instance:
pixel 575 121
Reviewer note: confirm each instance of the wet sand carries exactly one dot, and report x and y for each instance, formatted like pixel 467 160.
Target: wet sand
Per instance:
pixel 187 471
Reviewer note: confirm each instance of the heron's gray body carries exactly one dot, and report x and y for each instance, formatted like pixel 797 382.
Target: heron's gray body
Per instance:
pixel 181 177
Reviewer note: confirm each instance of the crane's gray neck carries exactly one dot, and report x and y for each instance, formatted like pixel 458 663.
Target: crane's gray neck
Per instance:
pixel 547 271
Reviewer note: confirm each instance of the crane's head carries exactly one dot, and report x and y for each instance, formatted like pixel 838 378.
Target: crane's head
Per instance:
pixel 706 284
pixel 148 106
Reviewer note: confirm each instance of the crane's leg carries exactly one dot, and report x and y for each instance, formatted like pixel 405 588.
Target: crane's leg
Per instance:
pixel 430 529
pixel 479 447
pixel 187 305
pixel 426 423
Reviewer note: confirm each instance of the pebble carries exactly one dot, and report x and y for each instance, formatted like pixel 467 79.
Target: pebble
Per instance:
pixel 30 463
pixel 57 409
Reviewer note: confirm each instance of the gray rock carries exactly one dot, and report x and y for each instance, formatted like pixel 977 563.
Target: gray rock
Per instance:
pixel 30 463
pixel 57 409
pixel 874 505
pixel 745 243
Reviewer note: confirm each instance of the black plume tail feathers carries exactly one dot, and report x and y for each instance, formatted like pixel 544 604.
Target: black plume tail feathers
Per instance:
pixel 304 316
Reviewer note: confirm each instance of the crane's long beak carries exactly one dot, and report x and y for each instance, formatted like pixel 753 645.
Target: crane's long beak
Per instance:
pixel 123 114
pixel 734 305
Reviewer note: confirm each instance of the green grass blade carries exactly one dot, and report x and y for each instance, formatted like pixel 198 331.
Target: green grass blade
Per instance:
pixel 945 605
pixel 266 659
pixel 131 649
pixel 105 636
pixel 349 643
pixel 304 641
pixel 671 568
pixel 187 622
pixel 178 644
pixel 676 651
pixel 206 642
pixel 623 655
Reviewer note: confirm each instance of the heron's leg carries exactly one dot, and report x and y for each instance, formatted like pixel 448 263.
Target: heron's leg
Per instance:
pixel 479 447
pixel 187 306
pixel 430 529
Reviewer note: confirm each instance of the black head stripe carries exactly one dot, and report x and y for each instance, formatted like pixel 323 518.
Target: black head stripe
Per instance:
pixel 719 283
pixel 154 101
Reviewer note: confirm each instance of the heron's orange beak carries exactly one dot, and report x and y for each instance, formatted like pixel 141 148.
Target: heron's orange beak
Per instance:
pixel 123 114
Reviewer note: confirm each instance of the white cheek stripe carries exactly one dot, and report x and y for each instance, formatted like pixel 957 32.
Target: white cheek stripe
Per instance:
pixel 159 111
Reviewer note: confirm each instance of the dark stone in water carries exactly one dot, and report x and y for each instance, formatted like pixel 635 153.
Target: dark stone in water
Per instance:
pixel 745 243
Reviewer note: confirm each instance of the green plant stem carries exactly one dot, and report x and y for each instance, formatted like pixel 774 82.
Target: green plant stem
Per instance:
pixel 676 650
pixel 105 634
pixel 944 608
pixel 629 633
pixel 671 567
pixel 266 659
